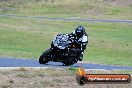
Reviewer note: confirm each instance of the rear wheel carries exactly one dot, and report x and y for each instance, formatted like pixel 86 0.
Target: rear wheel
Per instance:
pixel 43 59
pixel 69 62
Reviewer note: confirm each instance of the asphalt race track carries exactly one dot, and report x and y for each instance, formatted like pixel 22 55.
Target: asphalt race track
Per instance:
pixel 19 62
pixel 69 19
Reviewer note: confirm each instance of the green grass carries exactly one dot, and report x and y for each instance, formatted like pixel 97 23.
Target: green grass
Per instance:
pixel 109 43
pixel 96 9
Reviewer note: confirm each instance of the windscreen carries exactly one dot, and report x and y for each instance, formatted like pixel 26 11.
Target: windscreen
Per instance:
pixel 61 41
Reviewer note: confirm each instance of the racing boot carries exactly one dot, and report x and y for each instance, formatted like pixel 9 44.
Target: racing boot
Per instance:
pixel 80 57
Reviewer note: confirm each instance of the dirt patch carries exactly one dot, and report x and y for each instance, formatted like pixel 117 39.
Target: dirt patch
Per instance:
pixel 47 78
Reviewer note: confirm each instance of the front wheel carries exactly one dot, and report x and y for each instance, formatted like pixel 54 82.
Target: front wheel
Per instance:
pixel 43 59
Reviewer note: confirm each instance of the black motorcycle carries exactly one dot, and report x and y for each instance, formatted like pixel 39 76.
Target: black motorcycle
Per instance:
pixel 63 49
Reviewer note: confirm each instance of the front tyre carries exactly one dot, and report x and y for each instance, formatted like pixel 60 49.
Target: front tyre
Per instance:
pixel 43 59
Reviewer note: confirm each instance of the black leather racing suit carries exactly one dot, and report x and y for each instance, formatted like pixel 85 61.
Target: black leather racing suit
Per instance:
pixel 82 42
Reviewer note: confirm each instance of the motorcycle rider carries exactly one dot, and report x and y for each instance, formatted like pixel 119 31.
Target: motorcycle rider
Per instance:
pixel 79 36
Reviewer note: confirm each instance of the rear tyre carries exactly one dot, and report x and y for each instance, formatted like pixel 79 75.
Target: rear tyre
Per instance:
pixel 43 59
pixel 69 62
